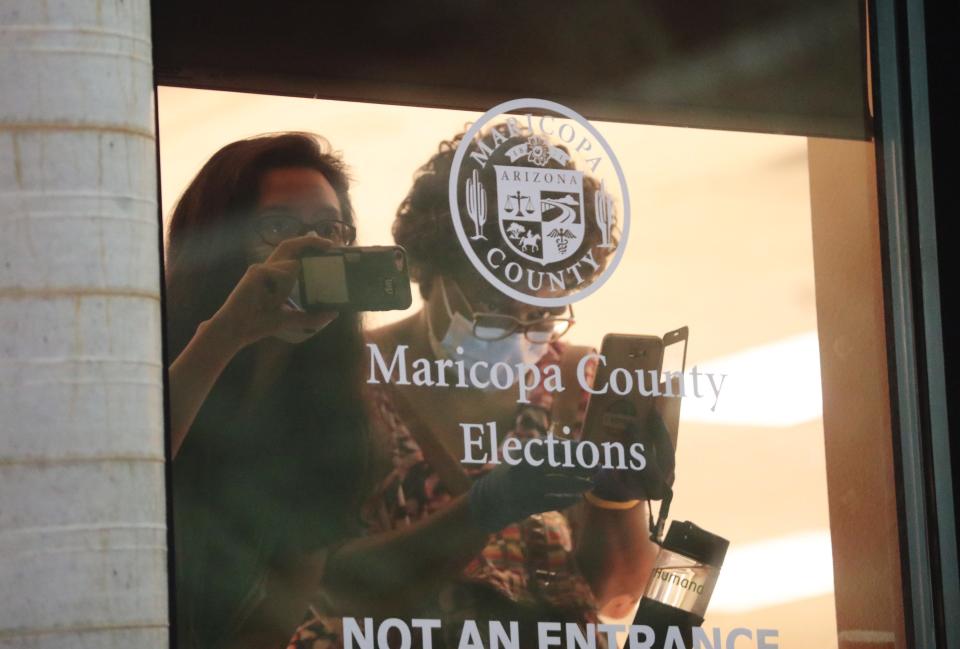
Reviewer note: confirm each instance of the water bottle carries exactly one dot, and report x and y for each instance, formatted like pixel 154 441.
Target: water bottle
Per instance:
pixel 682 582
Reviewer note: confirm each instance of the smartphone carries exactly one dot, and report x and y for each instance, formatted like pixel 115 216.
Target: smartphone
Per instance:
pixel 372 278
pixel 609 413
pixel 671 376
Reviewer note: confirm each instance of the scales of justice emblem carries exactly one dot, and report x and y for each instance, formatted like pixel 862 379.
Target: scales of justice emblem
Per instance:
pixel 539 202
pixel 539 210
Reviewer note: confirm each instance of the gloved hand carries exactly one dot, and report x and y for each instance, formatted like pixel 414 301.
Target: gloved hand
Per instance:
pixel 510 493
pixel 655 480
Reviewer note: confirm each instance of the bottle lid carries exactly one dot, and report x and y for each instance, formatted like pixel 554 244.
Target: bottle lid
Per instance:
pixel 689 540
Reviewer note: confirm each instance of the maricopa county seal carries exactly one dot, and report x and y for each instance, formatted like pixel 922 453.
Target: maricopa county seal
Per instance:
pixel 534 193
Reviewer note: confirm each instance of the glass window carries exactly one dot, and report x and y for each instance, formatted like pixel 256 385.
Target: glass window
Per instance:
pixel 767 248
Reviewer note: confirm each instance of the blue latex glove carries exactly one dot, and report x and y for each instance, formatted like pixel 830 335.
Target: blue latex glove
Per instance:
pixel 510 493
pixel 655 480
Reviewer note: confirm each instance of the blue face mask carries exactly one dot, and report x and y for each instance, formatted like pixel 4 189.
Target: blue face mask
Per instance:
pixel 459 343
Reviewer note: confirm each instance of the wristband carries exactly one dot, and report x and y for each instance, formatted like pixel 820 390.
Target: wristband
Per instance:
pixel 615 505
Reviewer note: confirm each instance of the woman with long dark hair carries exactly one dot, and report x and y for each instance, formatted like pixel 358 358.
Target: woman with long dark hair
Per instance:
pixel 267 424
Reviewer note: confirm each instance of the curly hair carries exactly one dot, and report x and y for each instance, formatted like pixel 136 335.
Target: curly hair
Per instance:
pixel 424 227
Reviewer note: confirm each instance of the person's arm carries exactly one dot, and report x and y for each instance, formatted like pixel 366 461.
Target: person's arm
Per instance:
pixel 383 573
pixel 193 374
pixel 284 595
pixel 614 550
pixel 616 555
pixel 399 567
pixel 255 309
pixel 380 574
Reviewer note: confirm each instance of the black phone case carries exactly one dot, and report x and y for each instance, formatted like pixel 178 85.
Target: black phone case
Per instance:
pixel 376 279
pixel 608 414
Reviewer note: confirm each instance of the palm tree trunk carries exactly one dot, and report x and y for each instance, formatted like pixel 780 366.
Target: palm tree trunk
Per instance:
pixel 82 508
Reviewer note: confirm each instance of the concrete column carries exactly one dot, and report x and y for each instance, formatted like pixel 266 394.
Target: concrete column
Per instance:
pixel 83 556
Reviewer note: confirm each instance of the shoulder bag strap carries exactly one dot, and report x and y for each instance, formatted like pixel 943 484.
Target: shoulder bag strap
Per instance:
pixel 439 457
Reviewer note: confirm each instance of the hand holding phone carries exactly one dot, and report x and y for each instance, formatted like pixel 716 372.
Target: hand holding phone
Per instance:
pixel 648 413
pixel 373 278
pixel 257 307
pixel 655 480
pixel 625 357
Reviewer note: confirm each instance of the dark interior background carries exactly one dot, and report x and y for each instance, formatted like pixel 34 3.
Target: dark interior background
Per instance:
pixel 776 66
pixel 942 26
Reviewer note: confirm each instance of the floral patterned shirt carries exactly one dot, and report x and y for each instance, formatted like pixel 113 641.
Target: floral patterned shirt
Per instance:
pixel 529 564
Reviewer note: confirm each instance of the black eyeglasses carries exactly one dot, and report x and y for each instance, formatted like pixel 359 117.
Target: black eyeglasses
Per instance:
pixel 274 229
pixel 497 326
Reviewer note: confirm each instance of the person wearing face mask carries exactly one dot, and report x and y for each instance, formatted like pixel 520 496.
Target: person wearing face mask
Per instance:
pixel 268 430
pixel 490 338
pixel 465 543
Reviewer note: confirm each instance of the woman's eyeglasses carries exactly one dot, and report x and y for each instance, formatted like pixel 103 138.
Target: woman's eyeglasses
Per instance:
pixel 274 229
pixel 496 326
pixel 492 326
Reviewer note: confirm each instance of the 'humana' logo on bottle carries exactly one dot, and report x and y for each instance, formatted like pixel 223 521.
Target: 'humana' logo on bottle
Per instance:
pixel 678 579
pixel 682 583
